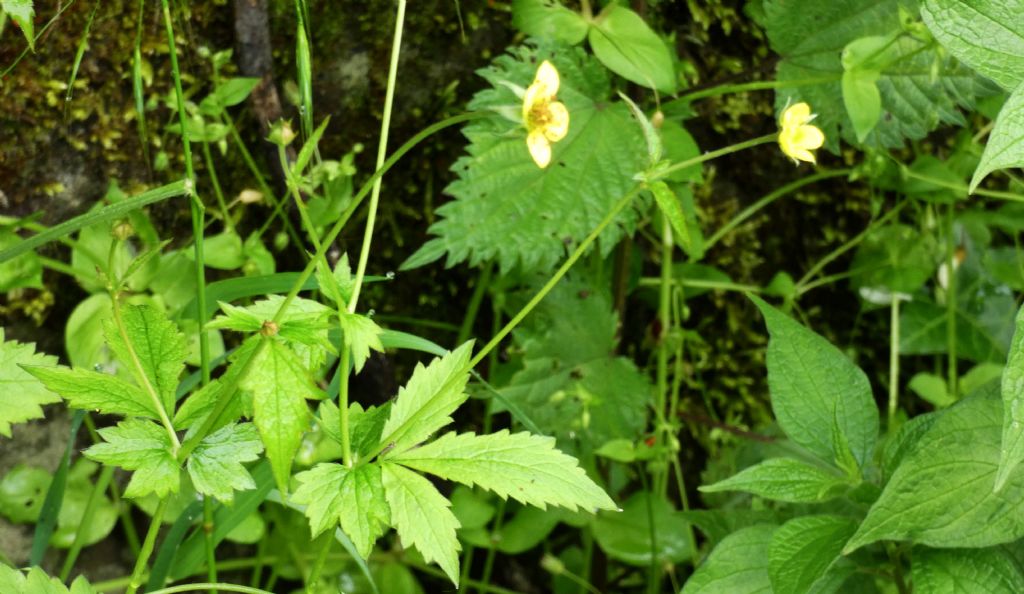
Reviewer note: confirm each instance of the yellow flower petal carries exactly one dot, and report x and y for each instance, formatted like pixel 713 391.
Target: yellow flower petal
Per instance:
pixel 540 148
pixel 558 124
pixel 530 100
pixel 811 137
pixel 795 115
pixel 548 77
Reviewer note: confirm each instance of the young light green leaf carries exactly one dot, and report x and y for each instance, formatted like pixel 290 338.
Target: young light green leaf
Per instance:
pixel 22 12
pixel 525 467
pixel 353 497
pixel 651 137
pixel 862 99
pixel 991 570
pixel 230 92
pixel 13 581
pixel 1011 452
pixel 738 565
pixel 628 47
pixel 21 394
pixel 91 390
pixel 365 426
pixel 548 18
pixel 422 518
pixel 224 250
pixel 671 210
pixel 941 493
pixel 216 464
pixel 987 36
pixel 783 479
pixel 145 448
pixel 157 352
pixel 803 549
pixel 1005 146
pixel 280 385
pixel 360 334
pixel 812 385
pixel 236 318
pixel 425 404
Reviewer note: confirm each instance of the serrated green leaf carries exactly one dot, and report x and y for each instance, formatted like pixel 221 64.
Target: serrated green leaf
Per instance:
pixel 422 518
pixel 941 494
pixel 195 408
pixel 913 100
pixel 624 43
pixel 571 382
pixel 236 318
pixel 525 467
pixel 508 210
pixel 280 385
pixel 987 36
pixel 738 565
pixel 1011 452
pixel 144 447
pixel 91 390
pixel 365 426
pixel 670 208
pixel 21 394
pixel 812 384
pixel 216 464
pixel 22 13
pixel 13 581
pixel 337 285
pixel 1005 146
pixel 803 549
pixel 783 479
pixel 965 571
pixel 303 326
pixel 360 334
pixel 157 353
pixel 352 497
pixel 548 19
pixel 426 403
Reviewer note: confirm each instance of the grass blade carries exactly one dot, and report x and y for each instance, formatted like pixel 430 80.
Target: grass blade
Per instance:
pixel 54 497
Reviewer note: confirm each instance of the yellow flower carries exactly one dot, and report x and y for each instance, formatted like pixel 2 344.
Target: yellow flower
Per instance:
pixel 798 138
pixel 546 120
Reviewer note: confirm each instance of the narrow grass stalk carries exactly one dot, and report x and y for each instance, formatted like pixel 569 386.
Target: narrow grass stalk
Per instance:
pixel 147 547
pixel 197 206
pixel 210 545
pixel 90 509
pixel 318 564
pixel 482 283
pixel 951 246
pixel 382 148
pixel 665 322
pixel 894 357
pixel 757 85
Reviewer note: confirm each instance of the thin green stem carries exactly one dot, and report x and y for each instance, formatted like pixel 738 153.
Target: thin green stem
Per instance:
pixel 697 283
pixel 346 438
pixel 894 357
pixel 492 550
pixel 203 586
pixel 759 85
pixel 382 148
pixel 1009 196
pixel 663 173
pixel 951 297
pixel 665 326
pixel 769 198
pixel 211 546
pixel 196 204
pixel 318 564
pixel 217 192
pixel 482 283
pixel 83 527
pixel 147 547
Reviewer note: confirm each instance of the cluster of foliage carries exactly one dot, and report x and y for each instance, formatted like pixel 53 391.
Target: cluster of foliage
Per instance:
pixel 227 405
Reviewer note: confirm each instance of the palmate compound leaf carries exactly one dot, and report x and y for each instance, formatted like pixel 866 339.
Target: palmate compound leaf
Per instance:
pixel 522 466
pixel 156 356
pixel 920 87
pixel 509 210
pixel 216 464
pixel 941 494
pixel 21 394
pixel 144 447
pixel 426 403
pixel 422 517
pixel 280 385
pixel 353 498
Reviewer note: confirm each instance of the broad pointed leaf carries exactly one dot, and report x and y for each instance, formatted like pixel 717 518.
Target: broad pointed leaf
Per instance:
pixel 783 479
pixel 216 464
pixel 803 549
pixel 988 36
pixel 738 565
pixel 965 571
pixel 158 350
pixel 1012 450
pixel 91 390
